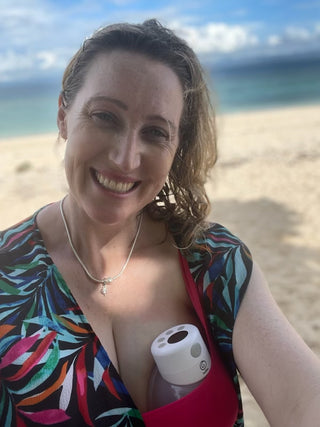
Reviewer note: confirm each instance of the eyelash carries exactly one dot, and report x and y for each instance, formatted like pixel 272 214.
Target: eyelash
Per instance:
pixel 156 134
pixel 104 116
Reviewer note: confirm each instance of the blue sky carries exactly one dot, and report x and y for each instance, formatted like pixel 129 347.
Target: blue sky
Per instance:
pixel 39 36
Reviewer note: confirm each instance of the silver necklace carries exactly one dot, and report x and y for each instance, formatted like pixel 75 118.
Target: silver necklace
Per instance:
pixel 106 280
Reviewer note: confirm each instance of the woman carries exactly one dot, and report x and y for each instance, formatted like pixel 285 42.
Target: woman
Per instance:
pixel 89 282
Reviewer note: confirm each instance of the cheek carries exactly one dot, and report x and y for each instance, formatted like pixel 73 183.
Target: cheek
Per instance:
pixel 171 157
pixel 75 156
pixel 78 148
pixel 68 165
pixel 161 167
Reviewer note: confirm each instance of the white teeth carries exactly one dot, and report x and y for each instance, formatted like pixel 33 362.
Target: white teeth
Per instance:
pixel 118 187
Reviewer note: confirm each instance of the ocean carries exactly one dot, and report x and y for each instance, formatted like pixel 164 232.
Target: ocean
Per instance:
pixel 267 84
pixel 30 107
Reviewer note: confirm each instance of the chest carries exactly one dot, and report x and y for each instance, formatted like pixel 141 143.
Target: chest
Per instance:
pixel 148 299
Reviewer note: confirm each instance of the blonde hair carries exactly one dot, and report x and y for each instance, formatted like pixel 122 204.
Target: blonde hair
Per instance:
pixel 182 203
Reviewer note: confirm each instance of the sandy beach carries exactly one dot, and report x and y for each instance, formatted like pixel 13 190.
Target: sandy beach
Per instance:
pixel 265 188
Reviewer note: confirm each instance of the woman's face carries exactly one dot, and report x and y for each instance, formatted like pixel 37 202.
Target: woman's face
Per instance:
pixel 123 132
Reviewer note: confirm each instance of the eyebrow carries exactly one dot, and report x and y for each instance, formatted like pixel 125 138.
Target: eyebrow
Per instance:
pixel 109 99
pixel 124 107
pixel 163 119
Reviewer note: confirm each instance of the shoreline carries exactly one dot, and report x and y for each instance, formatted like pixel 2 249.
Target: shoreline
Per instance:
pixel 264 188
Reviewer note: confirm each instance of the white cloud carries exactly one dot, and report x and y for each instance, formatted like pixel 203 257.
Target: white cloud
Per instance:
pixel 16 65
pixel 52 59
pixel 297 33
pixel 296 37
pixel 274 40
pixel 38 36
pixel 12 61
pixel 216 37
pixel 23 25
pixel 47 59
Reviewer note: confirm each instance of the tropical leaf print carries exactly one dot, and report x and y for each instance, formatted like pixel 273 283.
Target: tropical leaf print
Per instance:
pixel 53 368
pixel 221 269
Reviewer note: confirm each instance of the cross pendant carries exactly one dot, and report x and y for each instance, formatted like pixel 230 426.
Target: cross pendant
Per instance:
pixel 104 284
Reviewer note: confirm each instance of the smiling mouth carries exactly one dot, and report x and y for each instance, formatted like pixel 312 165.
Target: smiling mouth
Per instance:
pixel 115 186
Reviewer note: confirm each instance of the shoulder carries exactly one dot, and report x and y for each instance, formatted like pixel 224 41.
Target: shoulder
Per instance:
pixel 221 266
pixel 218 256
pixel 217 238
pixel 23 258
pixel 18 243
pixel 16 234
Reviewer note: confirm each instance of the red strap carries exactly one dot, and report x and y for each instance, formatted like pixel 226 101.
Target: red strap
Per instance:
pixel 194 294
pixel 214 402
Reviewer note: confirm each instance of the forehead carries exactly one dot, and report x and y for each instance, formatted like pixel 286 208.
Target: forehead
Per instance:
pixel 136 64
pixel 132 75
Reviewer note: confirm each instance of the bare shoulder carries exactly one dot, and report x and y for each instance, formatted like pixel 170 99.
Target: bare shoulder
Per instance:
pixel 48 222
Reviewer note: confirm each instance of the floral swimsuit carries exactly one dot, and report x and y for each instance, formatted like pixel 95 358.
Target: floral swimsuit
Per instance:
pixel 53 368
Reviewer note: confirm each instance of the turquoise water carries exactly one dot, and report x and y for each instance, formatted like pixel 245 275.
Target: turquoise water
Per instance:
pixel 267 85
pixel 30 108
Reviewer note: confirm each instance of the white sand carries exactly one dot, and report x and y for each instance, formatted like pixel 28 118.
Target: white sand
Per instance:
pixel 265 188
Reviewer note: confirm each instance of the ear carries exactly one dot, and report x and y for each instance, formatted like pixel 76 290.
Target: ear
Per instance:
pixel 62 118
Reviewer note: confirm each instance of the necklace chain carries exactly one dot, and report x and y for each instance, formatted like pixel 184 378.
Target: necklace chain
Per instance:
pixel 106 280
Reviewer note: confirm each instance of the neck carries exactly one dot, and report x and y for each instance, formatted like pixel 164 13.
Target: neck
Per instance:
pixel 103 252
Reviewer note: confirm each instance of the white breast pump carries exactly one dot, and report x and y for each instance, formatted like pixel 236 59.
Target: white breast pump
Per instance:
pixel 182 362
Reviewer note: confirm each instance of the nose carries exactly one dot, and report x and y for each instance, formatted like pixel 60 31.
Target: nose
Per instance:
pixel 125 152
